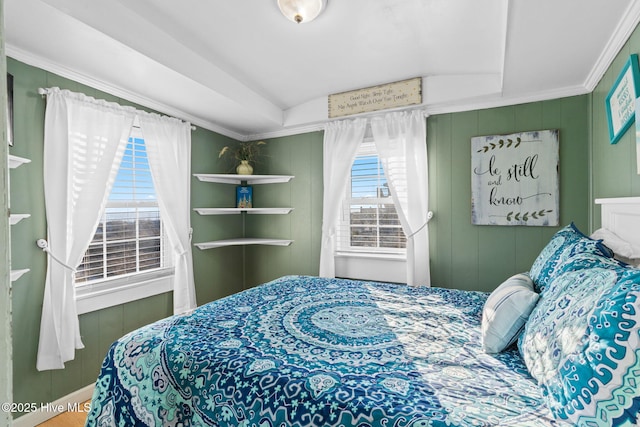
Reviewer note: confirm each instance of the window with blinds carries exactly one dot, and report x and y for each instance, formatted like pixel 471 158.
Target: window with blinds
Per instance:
pixel 130 237
pixel 370 221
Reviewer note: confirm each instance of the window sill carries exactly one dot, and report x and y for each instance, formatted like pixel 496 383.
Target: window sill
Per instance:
pixel 380 267
pixel 109 293
pixel 372 255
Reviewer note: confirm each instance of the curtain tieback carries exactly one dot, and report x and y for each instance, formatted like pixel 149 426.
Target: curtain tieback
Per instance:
pixel 429 216
pixel 56 259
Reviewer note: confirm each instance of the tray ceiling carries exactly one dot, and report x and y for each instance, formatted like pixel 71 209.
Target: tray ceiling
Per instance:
pixel 240 68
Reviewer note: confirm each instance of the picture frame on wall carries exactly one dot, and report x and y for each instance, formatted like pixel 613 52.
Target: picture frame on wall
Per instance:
pixel 10 109
pixel 620 102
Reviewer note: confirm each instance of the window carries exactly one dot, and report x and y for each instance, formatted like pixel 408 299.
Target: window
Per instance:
pixel 128 246
pixel 370 221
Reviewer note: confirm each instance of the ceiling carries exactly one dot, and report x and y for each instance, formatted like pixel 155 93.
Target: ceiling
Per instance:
pixel 240 68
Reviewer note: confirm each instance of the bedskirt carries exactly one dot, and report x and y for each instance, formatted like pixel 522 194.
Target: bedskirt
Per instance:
pixel 308 351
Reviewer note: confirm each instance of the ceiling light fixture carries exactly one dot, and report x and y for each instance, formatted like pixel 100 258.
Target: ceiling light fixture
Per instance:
pixel 301 11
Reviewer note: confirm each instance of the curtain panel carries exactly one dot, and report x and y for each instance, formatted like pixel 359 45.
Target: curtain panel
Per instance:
pixel 84 143
pixel 401 142
pixel 341 141
pixel 168 143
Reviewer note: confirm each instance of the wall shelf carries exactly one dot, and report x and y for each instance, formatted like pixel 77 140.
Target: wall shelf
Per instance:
pixel 238 179
pixel 242 242
pixel 16 274
pixel 16 218
pixel 15 161
pixel 251 211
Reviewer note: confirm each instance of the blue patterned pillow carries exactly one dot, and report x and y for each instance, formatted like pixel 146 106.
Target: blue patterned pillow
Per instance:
pixel 582 342
pixel 566 243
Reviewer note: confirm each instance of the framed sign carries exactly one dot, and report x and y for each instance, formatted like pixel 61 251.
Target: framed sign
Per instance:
pixel 620 102
pixel 514 179
pixel 376 98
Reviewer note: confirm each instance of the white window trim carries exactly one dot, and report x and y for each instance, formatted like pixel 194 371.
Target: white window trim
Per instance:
pixel 101 294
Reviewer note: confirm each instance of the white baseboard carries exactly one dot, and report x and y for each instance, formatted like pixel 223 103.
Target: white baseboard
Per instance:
pixel 46 412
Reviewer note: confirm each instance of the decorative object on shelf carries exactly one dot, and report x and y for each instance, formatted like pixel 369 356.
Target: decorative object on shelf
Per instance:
pixel 301 11
pixel 514 179
pixel 620 102
pixel 245 153
pixel 10 109
pixel 244 196
pixel 244 168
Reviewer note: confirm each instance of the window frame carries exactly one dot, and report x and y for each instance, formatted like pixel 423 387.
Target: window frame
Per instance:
pixel 106 292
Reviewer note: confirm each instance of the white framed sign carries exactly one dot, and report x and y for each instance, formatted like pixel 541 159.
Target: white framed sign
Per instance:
pixel 514 179
pixel 620 102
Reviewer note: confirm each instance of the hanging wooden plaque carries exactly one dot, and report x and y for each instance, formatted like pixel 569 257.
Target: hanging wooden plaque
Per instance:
pixel 376 98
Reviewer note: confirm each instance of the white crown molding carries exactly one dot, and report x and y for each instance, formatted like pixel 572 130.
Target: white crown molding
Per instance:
pixel 627 25
pixel 63 71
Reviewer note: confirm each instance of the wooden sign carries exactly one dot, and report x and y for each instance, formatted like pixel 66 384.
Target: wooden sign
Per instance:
pixel 376 98
pixel 514 179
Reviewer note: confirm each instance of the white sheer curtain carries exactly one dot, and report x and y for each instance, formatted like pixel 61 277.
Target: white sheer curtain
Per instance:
pixel 401 142
pixel 83 145
pixel 341 141
pixel 168 143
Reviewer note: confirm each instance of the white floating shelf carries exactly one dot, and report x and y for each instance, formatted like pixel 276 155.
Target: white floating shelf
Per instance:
pixel 16 274
pixel 255 211
pixel 16 218
pixel 15 161
pixel 238 179
pixel 242 242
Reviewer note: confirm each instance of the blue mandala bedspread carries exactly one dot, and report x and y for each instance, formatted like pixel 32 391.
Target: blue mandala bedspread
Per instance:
pixel 308 351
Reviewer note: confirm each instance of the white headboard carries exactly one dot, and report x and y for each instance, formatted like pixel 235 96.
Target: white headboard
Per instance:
pixel 621 215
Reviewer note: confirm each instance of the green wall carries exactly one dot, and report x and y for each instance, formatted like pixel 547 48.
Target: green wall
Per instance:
pixel 215 270
pixel 613 167
pixel 467 256
pixel 300 156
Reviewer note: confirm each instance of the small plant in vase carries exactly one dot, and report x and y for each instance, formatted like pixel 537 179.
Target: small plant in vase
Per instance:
pixel 245 154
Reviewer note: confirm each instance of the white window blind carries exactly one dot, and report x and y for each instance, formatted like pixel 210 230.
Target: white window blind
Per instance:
pixel 130 237
pixel 370 221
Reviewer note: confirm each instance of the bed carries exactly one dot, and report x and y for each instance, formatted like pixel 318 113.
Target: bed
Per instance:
pixel 309 351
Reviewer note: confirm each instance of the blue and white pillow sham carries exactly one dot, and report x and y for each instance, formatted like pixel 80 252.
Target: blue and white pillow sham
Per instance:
pixel 582 341
pixel 566 243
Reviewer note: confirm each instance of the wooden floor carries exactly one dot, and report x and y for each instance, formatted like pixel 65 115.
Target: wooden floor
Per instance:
pixel 67 419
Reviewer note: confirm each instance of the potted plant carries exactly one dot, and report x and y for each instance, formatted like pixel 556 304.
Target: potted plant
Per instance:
pixel 246 154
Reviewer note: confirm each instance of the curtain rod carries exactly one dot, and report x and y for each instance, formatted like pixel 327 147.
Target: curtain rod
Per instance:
pixel 45 91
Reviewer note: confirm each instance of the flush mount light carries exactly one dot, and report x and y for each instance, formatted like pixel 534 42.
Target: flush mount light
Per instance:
pixel 301 11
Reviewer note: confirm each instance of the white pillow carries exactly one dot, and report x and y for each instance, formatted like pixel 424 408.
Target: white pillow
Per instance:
pixel 506 311
pixel 617 244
